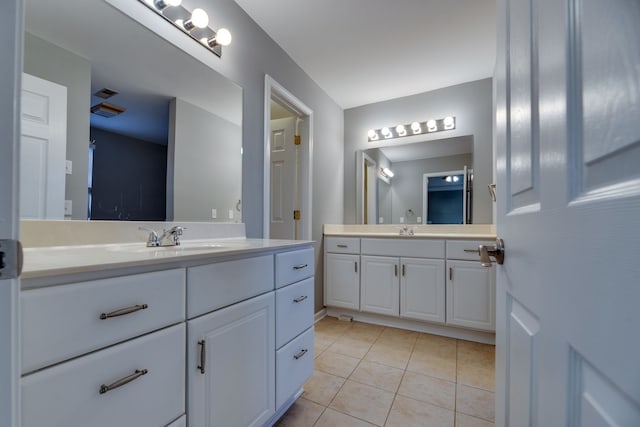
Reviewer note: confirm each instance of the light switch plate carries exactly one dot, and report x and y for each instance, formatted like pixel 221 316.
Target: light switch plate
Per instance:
pixel 214 213
pixel 419 219
pixel 230 213
pixel 68 167
pixel 68 207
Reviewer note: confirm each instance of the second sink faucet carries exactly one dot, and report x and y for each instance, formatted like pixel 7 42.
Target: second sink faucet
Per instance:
pixel 406 231
pixel 170 237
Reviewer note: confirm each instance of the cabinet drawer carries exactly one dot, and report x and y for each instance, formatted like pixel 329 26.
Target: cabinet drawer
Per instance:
pixel 465 249
pixel 294 310
pixel 68 395
pixel 408 247
pixel 294 365
pixel 213 286
pixel 294 266
pixel 62 322
pixel 342 245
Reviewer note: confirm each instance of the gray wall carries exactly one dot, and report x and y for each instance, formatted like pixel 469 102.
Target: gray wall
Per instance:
pixel 470 103
pixel 207 155
pixel 251 55
pixel 406 185
pixel 50 62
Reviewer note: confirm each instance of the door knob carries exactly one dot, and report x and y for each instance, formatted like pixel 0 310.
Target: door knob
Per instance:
pixel 487 251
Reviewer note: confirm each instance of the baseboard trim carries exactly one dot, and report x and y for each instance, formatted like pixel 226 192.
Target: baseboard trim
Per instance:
pixel 320 315
pixel 415 325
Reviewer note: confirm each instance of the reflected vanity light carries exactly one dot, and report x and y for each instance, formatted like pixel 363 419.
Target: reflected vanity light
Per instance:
pixel 429 126
pixel 194 24
pixel 386 172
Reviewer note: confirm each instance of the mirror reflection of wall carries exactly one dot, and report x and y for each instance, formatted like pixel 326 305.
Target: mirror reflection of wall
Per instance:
pixel 400 198
pixel 73 43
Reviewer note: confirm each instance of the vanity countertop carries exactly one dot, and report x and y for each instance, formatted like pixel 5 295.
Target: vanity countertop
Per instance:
pixel 454 231
pixel 57 261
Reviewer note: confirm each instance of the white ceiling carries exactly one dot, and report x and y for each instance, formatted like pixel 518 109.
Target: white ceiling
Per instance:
pixel 365 51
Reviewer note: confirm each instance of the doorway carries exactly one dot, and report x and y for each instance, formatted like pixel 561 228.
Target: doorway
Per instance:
pixel 287 165
pixel 369 190
pixel 446 197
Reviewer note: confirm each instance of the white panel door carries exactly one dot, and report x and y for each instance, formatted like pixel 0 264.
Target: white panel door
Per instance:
pixel 43 146
pixel 231 365
pixel 568 149
pixel 283 179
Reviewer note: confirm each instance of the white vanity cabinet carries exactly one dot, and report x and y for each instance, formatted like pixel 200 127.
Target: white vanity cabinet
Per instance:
pixel 249 337
pixel 470 287
pixel 231 365
pixel 409 285
pixel 103 352
pixel 342 272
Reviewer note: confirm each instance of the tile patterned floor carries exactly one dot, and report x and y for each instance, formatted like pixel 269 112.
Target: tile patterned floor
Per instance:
pixel 369 375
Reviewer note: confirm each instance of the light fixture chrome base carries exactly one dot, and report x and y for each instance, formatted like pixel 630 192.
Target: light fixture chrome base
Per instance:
pixel 174 13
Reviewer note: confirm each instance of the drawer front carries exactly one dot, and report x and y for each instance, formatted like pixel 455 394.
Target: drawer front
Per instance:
pixel 294 266
pixel 294 310
pixel 294 366
pixel 213 286
pixel 62 322
pixel 342 245
pixel 68 395
pixel 466 249
pixel 408 247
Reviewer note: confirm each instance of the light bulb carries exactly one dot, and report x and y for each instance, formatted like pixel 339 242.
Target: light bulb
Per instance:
pixel 455 178
pixel 449 122
pixel 386 132
pixel 387 172
pixel 199 19
pixel 372 134
pixel 400 130
pixel 174 3
pixel 416 128
pixel 432 126
pixel 223 37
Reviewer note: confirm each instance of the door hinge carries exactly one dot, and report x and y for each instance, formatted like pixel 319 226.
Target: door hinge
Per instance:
pixel 11 259
pixel 296 140
pixel 296 214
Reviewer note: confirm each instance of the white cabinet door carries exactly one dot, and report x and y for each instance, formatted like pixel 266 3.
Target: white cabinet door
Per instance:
pixel 231 365
pixel 342 281
pixel 471 290
pixel 422 289
pixel 380 290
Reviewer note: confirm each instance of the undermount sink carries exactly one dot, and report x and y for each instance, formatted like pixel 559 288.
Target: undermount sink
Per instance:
pixel 182 248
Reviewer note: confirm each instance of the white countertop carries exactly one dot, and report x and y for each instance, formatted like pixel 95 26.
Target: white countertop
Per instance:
pixel 455 231
pixel 45 262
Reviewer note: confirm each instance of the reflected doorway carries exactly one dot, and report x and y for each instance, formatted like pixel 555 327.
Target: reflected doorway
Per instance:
pixel 447 197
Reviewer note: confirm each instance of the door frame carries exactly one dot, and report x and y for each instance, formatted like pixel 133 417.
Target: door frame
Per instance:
pixel 274 90
pixel 11 41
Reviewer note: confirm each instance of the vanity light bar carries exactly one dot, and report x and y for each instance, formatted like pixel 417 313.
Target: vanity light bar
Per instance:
pixel 415 128
pixel 194 24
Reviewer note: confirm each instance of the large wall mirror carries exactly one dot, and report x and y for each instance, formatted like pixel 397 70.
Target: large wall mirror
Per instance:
pixel 418 183
pixel 174 153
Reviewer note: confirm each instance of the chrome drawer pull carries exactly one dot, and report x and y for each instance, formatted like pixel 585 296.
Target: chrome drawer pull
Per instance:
pixel 300 266
pixel 203 355
pixel 137 374
pixel 302 353
pixel 343 246
pixel 300 298
pixel 123 311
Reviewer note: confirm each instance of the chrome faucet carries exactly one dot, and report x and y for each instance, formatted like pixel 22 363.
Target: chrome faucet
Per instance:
pixel 170 237
pixel 406 231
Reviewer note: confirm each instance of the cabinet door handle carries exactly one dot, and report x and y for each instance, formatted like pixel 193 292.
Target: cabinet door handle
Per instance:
pixel 123 311
pixel 403 269
pixel 395 269
pixel 300 298
pixel 300 266
pixel 356 265
pixel 203 355
pixel 122 381
pixel 450 273
pixel 300 354
pixel 343 246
